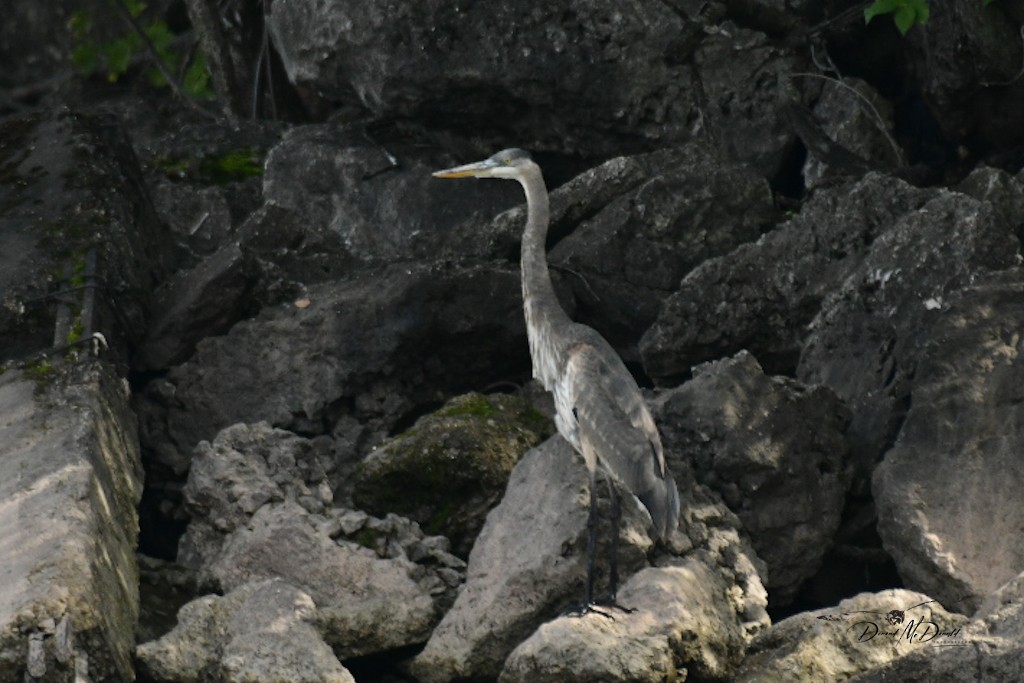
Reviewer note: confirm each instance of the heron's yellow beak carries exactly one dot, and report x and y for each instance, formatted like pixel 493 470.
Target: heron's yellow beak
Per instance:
pixel 480 169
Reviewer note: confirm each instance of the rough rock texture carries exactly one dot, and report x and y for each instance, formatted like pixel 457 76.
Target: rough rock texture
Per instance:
pixel 774 450
pixel 866 340
pixel 71 183
pixel 260 500
pixel 528 563
pixel 857 117
pixel 851 280
pixel 304 366
pixel 956 467
pixel 558 77
pixel 261 632
pixel 681 627
pixel 633 252
pixel 71 479
pixel 450 468
pixel 989 647
pixel 206 299
pixel 972 89
pixel 857 635
pixel 762 296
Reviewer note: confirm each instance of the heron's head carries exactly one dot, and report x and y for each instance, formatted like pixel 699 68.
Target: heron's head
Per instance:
pixel 508 163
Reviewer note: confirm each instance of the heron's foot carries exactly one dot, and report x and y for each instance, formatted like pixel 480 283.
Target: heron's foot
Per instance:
pixel 611 600
pixel 585 608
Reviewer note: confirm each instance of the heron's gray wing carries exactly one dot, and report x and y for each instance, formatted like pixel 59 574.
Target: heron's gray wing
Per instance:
pixel 614 422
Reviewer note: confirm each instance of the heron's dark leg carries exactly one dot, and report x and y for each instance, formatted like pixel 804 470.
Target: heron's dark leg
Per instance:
pixel 588 601
pixel 611 598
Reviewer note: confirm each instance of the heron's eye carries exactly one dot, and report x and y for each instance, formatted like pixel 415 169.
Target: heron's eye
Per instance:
pixel 507 161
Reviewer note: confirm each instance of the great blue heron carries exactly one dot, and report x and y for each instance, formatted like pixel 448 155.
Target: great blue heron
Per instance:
pixel 598 406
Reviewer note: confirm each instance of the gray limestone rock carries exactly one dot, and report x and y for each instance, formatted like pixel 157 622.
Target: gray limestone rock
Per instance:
pixel 683 625
pixel 528 563
pixel 856 636
pixel 70 481
pixel 261 632
pixel 774 450
pixel 949 486
pixel 989 647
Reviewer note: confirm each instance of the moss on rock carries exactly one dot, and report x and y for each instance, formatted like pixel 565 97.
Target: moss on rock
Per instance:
pixel 451 467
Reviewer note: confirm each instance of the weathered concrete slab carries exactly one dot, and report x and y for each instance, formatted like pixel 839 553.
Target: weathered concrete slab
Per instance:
pixel 70 478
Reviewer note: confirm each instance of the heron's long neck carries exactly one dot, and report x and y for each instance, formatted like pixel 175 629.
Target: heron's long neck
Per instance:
pixel 546 320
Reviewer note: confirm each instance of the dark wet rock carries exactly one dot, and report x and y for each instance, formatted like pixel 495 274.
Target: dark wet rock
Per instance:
pixel 529 563
pixel 989 647
pixel 856 636
pixel 560 77
pixel 628 256
pixel 261 632
pixel 762 296
pixel 205 300
pixel 955 467
pixel 450 468
pixel 71 480
pixel 372 347
pixel 857 117
pixel 69 184
pixel 972 90
pixel 774 450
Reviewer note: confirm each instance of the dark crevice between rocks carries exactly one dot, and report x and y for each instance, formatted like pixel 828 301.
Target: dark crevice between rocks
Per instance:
pixel 856 563
pixel 384 667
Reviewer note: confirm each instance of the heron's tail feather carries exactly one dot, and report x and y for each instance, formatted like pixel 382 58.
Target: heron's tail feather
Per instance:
pixel 662 502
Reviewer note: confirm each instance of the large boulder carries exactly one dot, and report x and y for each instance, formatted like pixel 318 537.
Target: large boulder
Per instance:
pixel 260 501
pixel 633 251
pixel 70 481
pixel 261 632
pixel 856 636
pixel 599 78
pixel 529 563
pixel 989 647
pixel 372 347
pixel 956 468
pixel 774 450
pixel 450 468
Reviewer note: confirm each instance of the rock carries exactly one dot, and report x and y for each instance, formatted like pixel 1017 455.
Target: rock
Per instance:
pixel 774 450
pixel 858 118
pixel 203 301
pixel 260 501
pixel 866 341
pixel 988 55
pixel 763 295
pixel 528 563
pixel 954 468
pixel 856 636
pixel 261 632
pixel 437 330
pixel 632 252
pixel 365 604
pixel 71 185
pixel 681 627
pixel 449 469
pixel 989 647
pixel 244 468
pixel 562 77
pixel 70 482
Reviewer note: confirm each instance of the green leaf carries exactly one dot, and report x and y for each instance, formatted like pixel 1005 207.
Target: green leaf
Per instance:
pixel 986 3
pixel 85 57
pixel 118 54
pixel 904 18
pixel 880 7
pixel 197 78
